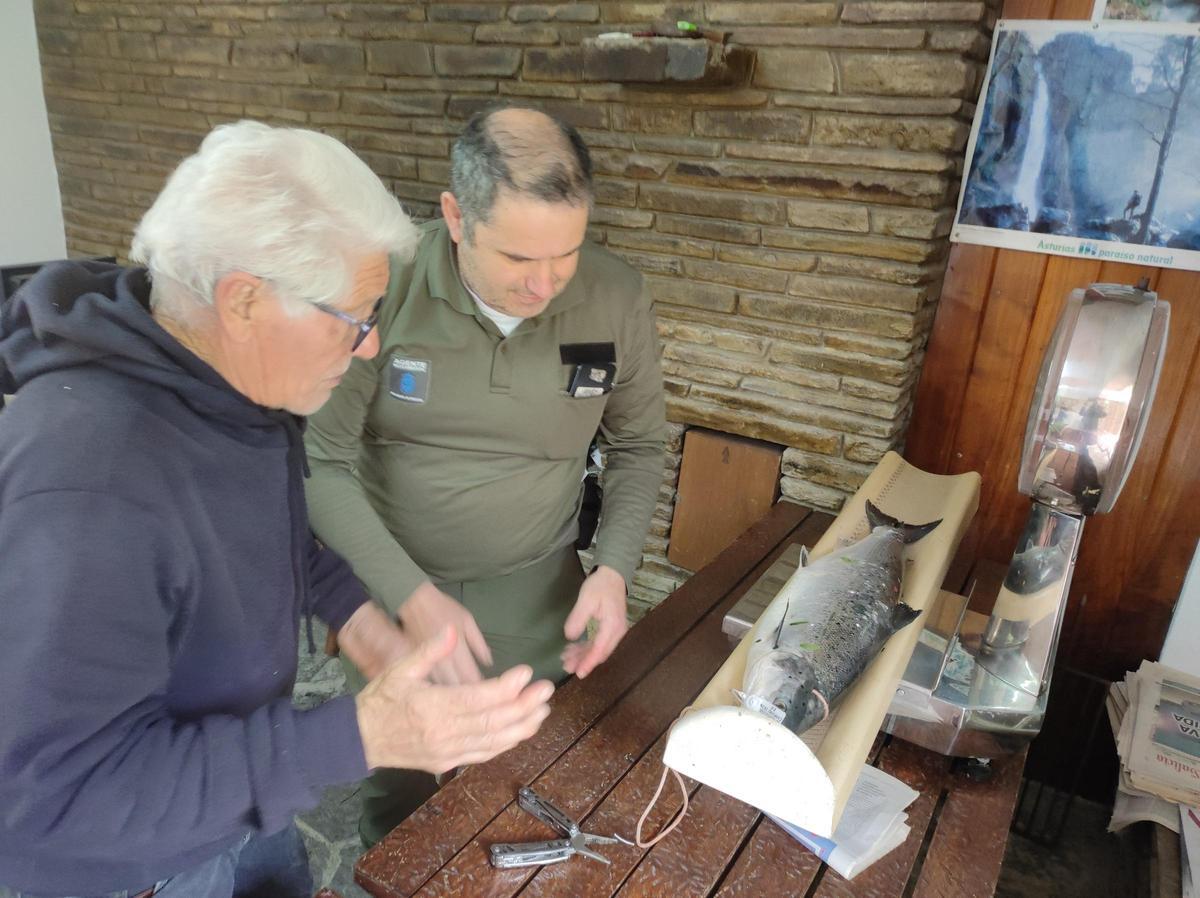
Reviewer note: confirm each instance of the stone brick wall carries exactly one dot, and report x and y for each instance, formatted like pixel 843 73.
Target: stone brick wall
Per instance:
pixel 792 228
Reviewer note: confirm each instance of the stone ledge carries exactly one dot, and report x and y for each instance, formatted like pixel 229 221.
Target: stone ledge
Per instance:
pixel 665 60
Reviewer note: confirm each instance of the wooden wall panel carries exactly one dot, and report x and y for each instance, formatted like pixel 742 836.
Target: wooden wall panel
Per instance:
pixel 955 336
pixel 997 315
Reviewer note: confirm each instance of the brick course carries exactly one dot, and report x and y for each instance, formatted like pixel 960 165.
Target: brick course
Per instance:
pixel 793 229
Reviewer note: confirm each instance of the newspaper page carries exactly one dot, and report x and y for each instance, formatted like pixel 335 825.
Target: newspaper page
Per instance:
pixel 1132 805
pixel 1165 756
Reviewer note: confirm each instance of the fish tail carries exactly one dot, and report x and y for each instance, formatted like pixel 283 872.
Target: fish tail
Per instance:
pixel 909 532
pixel 903 615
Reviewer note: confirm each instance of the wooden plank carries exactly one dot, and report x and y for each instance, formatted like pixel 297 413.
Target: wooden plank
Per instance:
pixel 985 581
pixel 617 813
pixel 887 878
pixel 949 356
pixel 581 778
pixel 987 402
pixel 1073 9
pixel 690 861
pixel 1002 337
pixel 726 483
pixel 416 850
pixel 967 847
pixel 1028 9
pixel 772 863
pixel 958 574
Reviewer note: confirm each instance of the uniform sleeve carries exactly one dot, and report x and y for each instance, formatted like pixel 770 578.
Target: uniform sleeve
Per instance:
pixel 338 508
pixel 91 588
pixel 632 434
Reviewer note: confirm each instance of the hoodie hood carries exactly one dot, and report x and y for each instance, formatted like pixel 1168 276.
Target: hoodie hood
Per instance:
pixel 97 314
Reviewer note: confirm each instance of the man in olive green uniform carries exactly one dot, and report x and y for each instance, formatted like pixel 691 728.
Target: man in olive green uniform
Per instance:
pixel 448 469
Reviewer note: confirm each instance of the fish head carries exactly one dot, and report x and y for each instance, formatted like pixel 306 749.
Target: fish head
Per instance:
pixel 787 682
pixel 1036 568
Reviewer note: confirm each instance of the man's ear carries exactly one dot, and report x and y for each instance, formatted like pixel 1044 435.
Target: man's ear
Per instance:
pixel 238 302
pixel 452 212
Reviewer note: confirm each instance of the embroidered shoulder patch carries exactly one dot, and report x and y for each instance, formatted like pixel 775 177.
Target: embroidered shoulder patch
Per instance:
pixel 408 379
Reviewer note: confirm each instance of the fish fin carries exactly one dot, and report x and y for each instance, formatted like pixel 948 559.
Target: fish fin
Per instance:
pixel 805 561
pixel 903 615
pixel 910 532
pixel 782 621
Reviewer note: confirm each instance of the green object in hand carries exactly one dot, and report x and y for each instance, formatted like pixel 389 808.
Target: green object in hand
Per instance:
pixel 686 26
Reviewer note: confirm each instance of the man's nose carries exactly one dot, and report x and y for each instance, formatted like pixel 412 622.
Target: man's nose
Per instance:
pixel 541 281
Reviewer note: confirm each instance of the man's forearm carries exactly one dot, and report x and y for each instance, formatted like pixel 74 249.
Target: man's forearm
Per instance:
pixel 346 522
pixel 632 479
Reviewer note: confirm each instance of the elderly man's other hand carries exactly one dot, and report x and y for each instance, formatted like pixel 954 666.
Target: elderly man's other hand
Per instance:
pixel 372 640
pixel 428 611
pixel 406 722
pixel 602 599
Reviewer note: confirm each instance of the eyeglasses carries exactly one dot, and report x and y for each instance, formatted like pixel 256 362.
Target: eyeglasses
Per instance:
pixel 365 325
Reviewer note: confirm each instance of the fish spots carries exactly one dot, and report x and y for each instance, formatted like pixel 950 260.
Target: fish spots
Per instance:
pixel 846 602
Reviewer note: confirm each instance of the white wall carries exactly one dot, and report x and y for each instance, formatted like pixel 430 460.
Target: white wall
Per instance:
pixel 31 222
pixel 1182 648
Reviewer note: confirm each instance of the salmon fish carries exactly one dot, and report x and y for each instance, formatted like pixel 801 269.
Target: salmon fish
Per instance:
pixel 839 612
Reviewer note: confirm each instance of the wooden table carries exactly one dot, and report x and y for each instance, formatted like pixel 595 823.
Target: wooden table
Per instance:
pixel 598 756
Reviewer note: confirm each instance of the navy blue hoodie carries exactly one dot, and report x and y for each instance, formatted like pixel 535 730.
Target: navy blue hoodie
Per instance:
pixel 155 560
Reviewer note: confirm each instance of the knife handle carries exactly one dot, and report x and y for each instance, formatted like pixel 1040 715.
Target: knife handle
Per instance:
pixel 530 854
pixel 545 811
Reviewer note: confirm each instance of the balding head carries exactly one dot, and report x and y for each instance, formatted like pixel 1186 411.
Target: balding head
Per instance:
pixel 520 150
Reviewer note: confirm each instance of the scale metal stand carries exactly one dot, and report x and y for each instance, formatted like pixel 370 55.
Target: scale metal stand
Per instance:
pixel 977 686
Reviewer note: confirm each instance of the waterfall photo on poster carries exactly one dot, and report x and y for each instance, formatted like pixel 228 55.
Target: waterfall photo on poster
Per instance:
pixel 1085 142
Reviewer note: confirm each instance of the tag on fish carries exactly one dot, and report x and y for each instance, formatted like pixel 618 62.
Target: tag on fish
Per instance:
pixel 759 704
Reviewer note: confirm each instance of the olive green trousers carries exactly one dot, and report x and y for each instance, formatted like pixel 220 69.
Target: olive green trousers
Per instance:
pixel 522 616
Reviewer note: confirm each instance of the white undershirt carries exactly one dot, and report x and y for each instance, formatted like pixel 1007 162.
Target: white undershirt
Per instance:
pixel 506 323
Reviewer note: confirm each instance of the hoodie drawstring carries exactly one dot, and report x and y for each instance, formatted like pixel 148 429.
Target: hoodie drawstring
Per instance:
pixel 298 460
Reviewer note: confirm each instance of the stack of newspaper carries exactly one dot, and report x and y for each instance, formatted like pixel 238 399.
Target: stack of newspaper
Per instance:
pixel 872 824
pixel 1155 716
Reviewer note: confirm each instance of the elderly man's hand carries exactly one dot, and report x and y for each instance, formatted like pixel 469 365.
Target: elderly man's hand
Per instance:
pixel 372 640
pixel 602 599
pixel 426 613
pixel 406 722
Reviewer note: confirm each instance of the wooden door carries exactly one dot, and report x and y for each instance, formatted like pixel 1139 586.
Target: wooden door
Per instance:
pixel 726 483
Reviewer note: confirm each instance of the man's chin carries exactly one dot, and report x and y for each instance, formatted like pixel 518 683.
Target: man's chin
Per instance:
pixel 523 309
pixel 312 405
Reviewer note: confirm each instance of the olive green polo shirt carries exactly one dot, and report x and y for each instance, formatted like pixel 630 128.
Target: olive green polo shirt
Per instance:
pixel 457 454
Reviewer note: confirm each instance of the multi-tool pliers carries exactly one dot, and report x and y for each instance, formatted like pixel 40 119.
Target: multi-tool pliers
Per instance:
pixel 528 854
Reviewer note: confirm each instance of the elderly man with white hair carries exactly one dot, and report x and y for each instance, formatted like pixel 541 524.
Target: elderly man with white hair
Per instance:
pixel 156 560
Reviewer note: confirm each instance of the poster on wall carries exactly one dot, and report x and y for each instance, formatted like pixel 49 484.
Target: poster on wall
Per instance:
pixel 1147 10
pixel 1085 143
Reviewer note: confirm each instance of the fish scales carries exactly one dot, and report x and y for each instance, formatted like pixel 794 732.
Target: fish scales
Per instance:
pixel 839 612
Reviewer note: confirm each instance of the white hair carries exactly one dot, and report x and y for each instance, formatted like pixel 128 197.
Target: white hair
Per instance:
pixel 294 207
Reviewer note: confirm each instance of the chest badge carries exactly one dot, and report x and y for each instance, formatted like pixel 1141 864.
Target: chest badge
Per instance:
pixel 408 379
pixel 592 380
pixel 594 371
